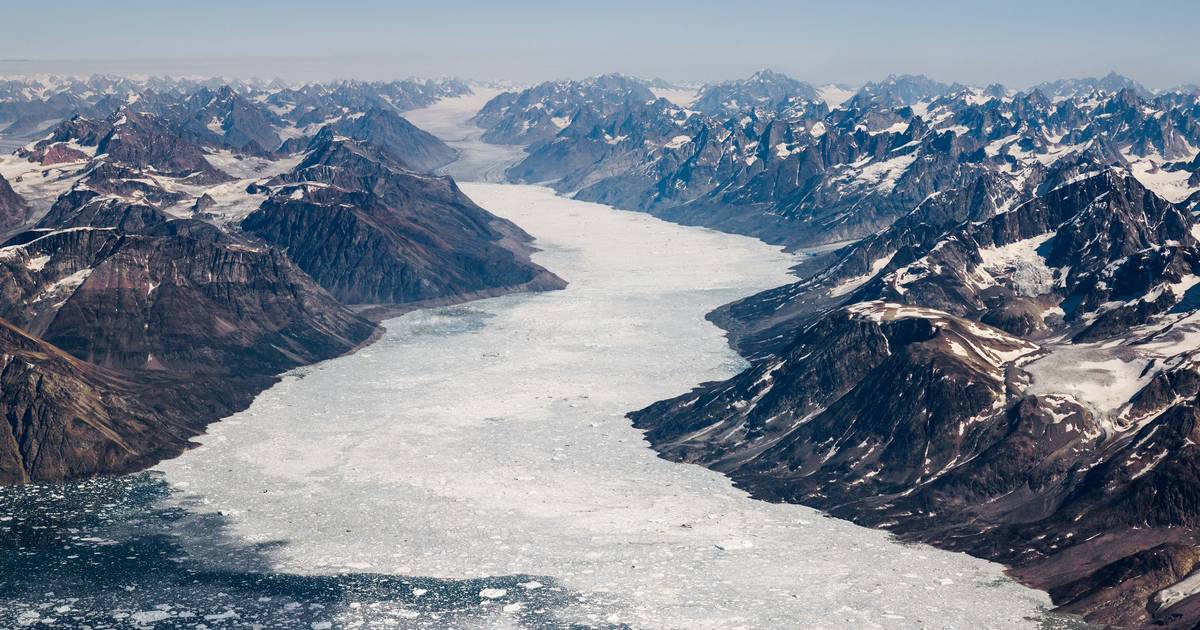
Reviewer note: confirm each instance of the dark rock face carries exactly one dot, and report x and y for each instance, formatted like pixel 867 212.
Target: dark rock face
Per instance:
pixel 56 153
pixel 386 130
pixel 84 132
pixel 65 418
pixel 203 203
pixel 142 140
pixel 86 208
pixel 126 315
pixel 125 300
pixel 225 118
pixel 941 379
pixel 814 203
pixel 242 122
pixel 132 139
pixel 115 180
pixel 373 233
pixel 827 391
pixel 12 207
pixel 601 157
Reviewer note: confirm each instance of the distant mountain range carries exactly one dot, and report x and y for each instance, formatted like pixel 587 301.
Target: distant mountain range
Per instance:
pixel 770 158
pixel 991 344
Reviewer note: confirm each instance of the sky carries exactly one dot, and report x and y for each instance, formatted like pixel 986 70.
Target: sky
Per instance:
pixel 1014 42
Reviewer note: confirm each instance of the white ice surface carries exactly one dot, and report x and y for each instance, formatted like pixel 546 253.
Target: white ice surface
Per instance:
pixel 1095 376
pixel 682 97
pixel 449 120
pixel 39 185
pixel 491 439
pixel 1170 185
pixel 1018 265
pixel 835 95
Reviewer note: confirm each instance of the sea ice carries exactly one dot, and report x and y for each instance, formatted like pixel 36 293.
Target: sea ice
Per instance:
pixel 490 439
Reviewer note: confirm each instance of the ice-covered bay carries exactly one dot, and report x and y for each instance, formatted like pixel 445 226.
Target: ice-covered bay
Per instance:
pixel 490 439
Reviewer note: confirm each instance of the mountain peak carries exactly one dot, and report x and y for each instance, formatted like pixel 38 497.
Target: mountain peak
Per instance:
pixel 767 74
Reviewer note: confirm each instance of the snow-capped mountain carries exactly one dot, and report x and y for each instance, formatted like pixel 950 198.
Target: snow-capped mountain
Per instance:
pixel 243 116
pixel 1012 381
pixel 765 90
pixel 900 91
pixel 1111 82
pixel 991 344
pixel 414 148
pixel 806 175
pixel 541 112
pixel 989 347
pixel 225 118
pixel 163 262
pixel 1001 361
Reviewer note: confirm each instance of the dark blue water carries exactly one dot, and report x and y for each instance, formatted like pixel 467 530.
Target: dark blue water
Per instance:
pixel 107 553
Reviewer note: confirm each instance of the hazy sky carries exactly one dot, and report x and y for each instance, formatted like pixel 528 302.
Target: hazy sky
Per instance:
pixel 1016 42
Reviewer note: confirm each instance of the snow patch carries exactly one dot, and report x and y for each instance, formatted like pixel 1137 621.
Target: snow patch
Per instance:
pixel 1094 377
pixel 1018 266
pixel 677 141
pixel 846 286
pixel 37 263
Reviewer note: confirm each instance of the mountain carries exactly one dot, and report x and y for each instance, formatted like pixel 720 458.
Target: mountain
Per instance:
pixel 808 175
pixel 766 90
pixel 172 269
pixel 371 232
pixel 153 307
pixel 246 117
pixel 990 344
pixel 899 91
pixel 321 102
pixel 417 150
pixel 537 114
pixel 30 105
pixel 1011 380
pixel 225 118
pixel 620 159
pixel 65 418
pixel 12 207
pixel 132 138
pixel 1083 87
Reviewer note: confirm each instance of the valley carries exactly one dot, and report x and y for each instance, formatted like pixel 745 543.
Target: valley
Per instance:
pixel 599 352
pixel 480 454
